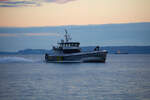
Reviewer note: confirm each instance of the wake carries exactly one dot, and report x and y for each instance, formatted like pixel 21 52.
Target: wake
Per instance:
pixel 16 60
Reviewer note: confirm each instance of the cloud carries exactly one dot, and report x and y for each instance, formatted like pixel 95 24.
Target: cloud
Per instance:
pixel 42 34
pixel 28 34
pixel 24 3
pixel 59 1
pixel 18 3
pixel 8 35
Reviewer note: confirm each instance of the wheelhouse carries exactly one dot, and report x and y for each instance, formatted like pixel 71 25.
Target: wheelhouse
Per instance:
pixel 67 46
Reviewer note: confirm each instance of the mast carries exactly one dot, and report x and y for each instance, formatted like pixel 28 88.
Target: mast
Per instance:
pixel 67 36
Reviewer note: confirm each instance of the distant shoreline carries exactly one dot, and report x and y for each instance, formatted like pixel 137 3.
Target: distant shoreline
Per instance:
pixel 110 49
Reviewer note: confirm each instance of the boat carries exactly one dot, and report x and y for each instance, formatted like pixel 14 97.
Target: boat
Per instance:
pixel 69 51
pixel 118 52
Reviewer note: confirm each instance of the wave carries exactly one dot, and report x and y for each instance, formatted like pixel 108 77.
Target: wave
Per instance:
pixel 15 59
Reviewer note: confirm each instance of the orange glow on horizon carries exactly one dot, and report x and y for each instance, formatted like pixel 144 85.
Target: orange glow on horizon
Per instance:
pixel 79 12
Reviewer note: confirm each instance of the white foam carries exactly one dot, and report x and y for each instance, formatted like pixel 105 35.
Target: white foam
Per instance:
pixel 14 59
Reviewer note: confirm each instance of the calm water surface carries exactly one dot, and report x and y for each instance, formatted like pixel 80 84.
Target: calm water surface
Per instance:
pixel 28 77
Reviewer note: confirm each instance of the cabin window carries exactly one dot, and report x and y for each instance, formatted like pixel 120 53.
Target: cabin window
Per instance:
pixel 61 45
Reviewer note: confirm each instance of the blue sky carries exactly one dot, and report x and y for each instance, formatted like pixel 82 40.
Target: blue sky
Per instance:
pixel 16 38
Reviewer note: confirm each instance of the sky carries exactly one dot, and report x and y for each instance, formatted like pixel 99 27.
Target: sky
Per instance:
pixel 129 34
pixel 26 13
pixel 39 24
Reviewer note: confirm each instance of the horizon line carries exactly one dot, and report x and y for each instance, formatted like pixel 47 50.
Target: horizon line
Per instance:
pixel 72 25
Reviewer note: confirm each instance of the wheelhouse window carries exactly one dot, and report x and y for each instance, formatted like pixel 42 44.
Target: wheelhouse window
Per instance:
pixel 70 44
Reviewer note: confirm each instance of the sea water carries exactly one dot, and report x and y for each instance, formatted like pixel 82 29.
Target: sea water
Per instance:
pixel 29 77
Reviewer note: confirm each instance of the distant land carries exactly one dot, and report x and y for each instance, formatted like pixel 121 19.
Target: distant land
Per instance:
pixel 110 49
